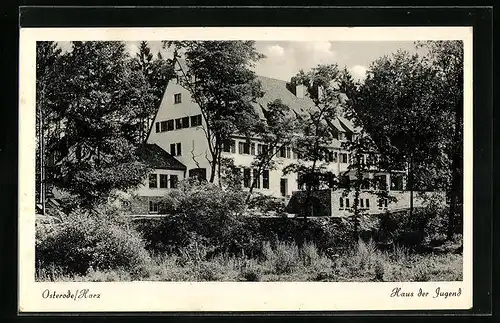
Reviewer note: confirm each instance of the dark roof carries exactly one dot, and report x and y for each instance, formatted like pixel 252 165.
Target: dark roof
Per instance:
pixel 277 89
pixel 156 157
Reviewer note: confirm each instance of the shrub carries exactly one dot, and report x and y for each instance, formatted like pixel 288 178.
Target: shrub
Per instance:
pixel 210 271
pixel 251 274
pixel 309 254
pixel 286 257
pixel 379 270
pixel 86 241
pixel 206 211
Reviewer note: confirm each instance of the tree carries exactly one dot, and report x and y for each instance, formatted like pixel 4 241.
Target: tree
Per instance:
pixel 313 146
pixel 47 83
pixel 156 73
pixel 277 132
pixel 221 82
pixel 399 107
pixel 364 154
pixel 94 101
pixel 446 58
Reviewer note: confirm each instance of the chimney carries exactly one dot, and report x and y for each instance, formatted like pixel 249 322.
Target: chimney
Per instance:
pixel 300 91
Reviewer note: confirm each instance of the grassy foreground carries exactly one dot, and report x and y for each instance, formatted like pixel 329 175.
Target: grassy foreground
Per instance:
pixel 288 262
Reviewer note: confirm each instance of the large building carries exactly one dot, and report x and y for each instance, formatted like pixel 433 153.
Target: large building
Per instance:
pixel 179 130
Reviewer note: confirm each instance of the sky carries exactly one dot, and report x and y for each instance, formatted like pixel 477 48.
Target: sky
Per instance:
pixel 284 59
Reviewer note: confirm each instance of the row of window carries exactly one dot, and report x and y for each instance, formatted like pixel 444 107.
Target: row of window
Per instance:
pixel 246 148
pixel 250 175
pixel 363 203
pixel 163 181
pixel 179 123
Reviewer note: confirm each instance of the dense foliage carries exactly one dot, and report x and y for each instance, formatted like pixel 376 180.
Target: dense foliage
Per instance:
pixel 86 242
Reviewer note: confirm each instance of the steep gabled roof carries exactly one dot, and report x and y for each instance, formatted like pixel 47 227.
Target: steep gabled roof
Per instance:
pixel 156 157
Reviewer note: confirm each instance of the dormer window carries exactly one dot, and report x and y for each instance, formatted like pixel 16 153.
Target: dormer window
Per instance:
pixel 177 98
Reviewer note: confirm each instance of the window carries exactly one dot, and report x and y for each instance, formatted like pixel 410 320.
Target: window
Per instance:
pixel 185 122
pixel 178 123
pixel 382 182
pixel 196 120
pixel 256 178
pixel 246 177
pixel 265 149
pixel 252 149
pixel 233 146
pixel 164 126
pixel 226 146
pixel 382 203
pixel 170 125
pixel 153 207
pixel 243 148
pixel 157 126
pixel 177 98
pixel 343 158
pixel 284 186
pixel 282 152
pixel 341 203
pixel 288 151
pixel 153 181
pixel 163 180
pixel 259 149
pixel 174 180
pixel 330 156
pixel 175 149
pixel 229 146
pixel 397 183
pixel 335 156
pixel 346 202
pixel 265 178
pixel 367 204
pixel 361 204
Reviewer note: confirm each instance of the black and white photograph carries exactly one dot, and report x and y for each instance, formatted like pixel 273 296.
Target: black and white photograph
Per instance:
pixel 252 160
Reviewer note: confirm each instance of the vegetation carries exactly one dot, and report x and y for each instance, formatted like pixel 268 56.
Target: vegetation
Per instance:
pixel 313 146
pixel 208 237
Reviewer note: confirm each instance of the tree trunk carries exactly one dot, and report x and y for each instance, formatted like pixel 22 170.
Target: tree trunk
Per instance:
pixel 219 152
pixel 213 168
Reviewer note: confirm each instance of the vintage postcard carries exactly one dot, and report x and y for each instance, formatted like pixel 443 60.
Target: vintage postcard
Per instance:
pixel 245 169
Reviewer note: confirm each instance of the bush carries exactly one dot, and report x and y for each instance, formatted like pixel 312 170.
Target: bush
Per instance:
pixel 252 274
pixel 206 211
pixel 284 258
pixel 86 242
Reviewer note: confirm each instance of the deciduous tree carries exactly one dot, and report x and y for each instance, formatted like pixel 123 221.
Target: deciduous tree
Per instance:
pixel 219 76
pixel 314 145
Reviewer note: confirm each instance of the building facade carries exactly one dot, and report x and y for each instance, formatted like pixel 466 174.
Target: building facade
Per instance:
pixel 179 129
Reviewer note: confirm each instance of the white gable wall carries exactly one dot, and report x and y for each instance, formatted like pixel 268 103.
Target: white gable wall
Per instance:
pixel 192 139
